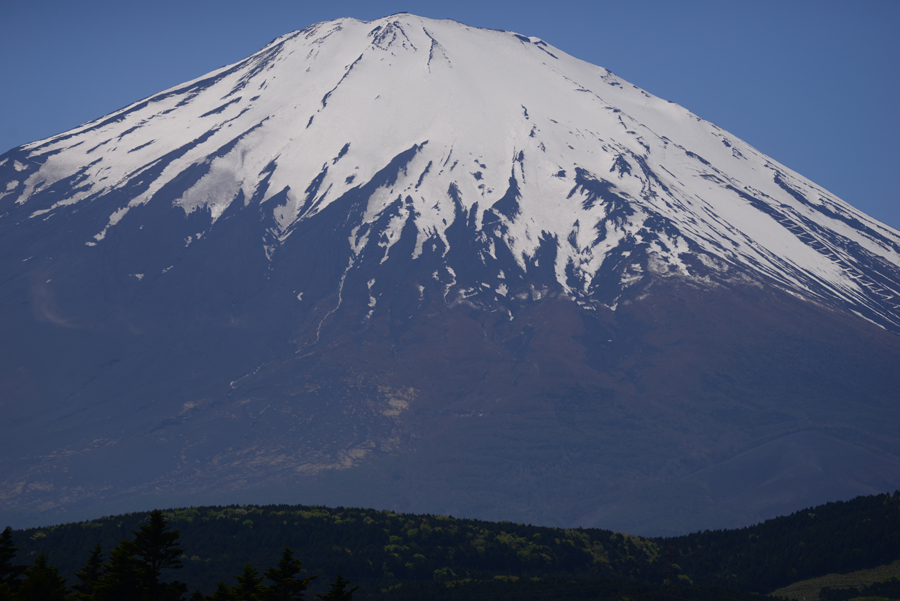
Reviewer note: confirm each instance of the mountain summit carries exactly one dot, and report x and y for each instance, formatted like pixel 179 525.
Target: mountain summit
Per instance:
pixel 533 150
pixel 414 264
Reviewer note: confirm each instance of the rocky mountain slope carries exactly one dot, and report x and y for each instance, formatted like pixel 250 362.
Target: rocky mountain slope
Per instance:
pixel 412 264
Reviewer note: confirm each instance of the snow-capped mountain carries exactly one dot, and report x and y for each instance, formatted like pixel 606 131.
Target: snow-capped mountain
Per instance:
pixel 366 185
pixel 531 147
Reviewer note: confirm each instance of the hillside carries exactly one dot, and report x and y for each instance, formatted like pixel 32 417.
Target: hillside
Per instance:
pixel 408 555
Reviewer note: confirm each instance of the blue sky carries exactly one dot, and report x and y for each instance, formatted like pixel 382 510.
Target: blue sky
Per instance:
pixel 815 85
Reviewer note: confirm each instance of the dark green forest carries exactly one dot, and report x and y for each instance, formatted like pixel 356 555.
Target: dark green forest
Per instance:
pixel 286 552
pixel 837 537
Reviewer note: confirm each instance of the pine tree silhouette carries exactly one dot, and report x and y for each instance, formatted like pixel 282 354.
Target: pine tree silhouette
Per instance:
pixel 248 587
pixel 156 549
pixel 286 587
pixel 42 582
pixel 338 590
pixel 9 572
pixel 123 578
pixel 89 575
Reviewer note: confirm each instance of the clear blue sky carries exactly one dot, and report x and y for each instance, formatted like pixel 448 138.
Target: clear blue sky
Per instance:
pixel 813 84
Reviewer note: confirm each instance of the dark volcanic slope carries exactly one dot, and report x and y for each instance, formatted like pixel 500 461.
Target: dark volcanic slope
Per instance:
pixel 365 266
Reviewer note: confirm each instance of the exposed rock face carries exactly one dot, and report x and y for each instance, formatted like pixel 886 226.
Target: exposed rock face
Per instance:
pixel 417 265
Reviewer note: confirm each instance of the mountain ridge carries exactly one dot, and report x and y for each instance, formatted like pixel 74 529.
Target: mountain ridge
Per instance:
pixel 466 283
pixel 810 261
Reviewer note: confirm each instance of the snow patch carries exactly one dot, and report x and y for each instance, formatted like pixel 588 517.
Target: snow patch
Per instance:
pixel 115 218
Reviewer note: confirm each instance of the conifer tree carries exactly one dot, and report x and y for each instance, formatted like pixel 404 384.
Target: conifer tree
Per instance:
pixel 338 590
pixel 222 593
pixel 89 575
pixel 9 571
pixel 42 582
pixel 248 587
pixel 285 587
pixel 197 596
pixel 123 578
pixel 156 549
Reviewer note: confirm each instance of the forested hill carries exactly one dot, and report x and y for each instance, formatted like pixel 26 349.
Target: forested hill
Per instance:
pixel 397 554
pixel 836 537
pixel 365 545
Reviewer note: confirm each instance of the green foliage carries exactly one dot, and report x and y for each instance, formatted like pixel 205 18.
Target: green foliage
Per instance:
pixel 833 538
pixel 132 572
pixel 89 575
pixel 248 587
pixel 810 588
pixel 880 590
pixel 285 587
pixel 539 589
pixel 222 593
pixel 42 583
pixel 365 545
pixel 338 590
pixel 390 555
pixel 155 548
pixel 123 578
pixel 9 571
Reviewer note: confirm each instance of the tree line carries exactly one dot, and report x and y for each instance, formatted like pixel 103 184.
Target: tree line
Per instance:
pixel 398 556
pixel 135 571
pixel 373 548
pixel 834 538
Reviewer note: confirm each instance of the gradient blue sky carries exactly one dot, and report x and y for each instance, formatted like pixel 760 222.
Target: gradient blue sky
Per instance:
pixel 813 84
